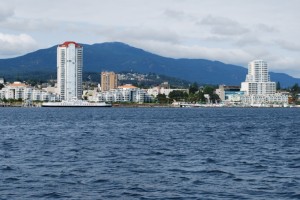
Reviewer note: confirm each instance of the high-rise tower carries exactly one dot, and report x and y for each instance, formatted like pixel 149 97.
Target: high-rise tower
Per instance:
pixel 109 80
pixel 69 70
pixel 258 79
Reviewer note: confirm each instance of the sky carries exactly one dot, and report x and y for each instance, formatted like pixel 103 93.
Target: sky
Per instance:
pixel 230 31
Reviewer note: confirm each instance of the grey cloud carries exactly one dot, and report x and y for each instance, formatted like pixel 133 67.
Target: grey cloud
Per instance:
pixel 285 63
pixel 25 25
pixel 178 15
pixel 266 28
pixel 248 41
pixel 288 45
pixel 139 33
pixel 223 26
pixel 5 13
pixel 174 14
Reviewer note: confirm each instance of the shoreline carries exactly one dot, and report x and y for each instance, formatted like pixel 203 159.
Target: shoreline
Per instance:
pixel 154 105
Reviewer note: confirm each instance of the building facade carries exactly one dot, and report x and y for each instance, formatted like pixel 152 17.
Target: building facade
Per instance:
pixel 277 99
pixel 229 93
pixel 69 70
pixel 109 81
pixel 258 79
pixel 162 89
pixel 258 88
pixel 18 90
pixel 125 93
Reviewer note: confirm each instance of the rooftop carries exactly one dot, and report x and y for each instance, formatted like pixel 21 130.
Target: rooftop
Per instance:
pixel 17 84
pixel 127 86
pixel 67 43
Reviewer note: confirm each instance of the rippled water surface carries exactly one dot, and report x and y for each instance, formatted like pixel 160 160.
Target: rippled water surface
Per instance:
pixel 149 153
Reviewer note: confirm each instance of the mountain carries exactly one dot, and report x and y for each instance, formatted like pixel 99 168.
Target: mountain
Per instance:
pixel 119 57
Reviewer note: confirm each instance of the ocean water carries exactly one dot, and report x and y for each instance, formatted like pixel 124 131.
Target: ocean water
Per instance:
pixel 149 153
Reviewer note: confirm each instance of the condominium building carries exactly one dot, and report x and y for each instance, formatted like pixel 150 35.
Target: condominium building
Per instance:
pixel 258 88
pixel 109 81
pixel 124 93
pixel 276 98
pixel 258 79
pixel 69 70
pixel 18 90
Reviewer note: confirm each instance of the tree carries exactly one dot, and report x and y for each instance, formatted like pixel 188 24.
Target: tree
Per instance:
pixel 178 95
pixel 208 90
pixel 161 98
pixel 193 88
pixel 215 98
pixel 4 100
pixel 201 97
pixel 278 87
pixel 1 86
pixel 295 90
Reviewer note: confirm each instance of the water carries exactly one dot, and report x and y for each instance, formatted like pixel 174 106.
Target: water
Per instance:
pixel 149 153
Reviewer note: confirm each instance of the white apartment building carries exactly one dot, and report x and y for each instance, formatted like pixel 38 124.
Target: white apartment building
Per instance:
pixel 162 90
pixel 125 93
pixel 258 88
pixel 69 70
pixel 258 79
pixel 276 98
pixel 18 90
pixel 14 91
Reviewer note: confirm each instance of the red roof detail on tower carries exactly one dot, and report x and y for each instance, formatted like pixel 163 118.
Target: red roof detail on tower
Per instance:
pixel 66 44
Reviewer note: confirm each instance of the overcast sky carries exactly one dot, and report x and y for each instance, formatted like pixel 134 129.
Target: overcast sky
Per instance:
pixel 231 31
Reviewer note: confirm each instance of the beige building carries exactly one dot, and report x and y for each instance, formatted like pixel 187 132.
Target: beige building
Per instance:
pixel 109 81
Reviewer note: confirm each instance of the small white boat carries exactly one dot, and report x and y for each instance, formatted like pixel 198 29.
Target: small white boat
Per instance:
pixel 75 103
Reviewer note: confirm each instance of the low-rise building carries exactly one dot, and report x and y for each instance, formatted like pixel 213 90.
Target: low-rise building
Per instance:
pixel 277 99
pixel 18 90
pixel 124 93
pixel 229 93
pixel 162 89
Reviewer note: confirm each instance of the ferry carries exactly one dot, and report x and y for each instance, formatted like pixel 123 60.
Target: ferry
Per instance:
pixel 75 103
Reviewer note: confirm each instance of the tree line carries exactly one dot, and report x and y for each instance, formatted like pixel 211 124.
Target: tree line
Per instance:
pixel 196 94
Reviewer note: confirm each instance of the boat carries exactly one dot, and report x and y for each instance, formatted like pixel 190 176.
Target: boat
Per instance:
pixel 75 103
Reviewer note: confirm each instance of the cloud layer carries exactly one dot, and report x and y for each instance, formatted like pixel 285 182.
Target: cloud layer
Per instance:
pixel 14 45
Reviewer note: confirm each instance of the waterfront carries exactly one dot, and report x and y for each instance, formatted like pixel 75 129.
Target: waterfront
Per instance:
pixel 150 153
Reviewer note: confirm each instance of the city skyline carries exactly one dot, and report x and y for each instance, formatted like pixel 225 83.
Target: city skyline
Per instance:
pixel 229 31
